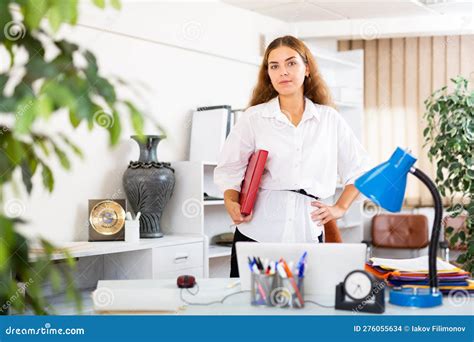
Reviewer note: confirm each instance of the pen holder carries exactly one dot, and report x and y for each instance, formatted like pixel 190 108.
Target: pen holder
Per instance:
pixel 261 288
pixel 273 290
pixel 132 231
pixel 288 292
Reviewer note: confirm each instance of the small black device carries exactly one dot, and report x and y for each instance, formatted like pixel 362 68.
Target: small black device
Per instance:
pixel 360 292
pixel 186 281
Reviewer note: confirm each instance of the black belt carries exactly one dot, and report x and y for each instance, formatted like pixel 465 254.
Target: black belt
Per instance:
pixel 303 192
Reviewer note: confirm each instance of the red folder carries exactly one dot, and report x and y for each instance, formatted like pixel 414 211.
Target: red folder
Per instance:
pixel 251 182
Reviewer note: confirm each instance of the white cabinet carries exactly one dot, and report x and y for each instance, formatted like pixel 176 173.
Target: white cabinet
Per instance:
pixel 177 259
pixel 157 262
pixel 188 213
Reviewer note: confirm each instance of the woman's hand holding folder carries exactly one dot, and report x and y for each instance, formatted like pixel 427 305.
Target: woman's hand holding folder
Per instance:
pixel 231 200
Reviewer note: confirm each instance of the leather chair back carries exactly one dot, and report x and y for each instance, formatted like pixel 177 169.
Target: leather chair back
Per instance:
pixel 407 231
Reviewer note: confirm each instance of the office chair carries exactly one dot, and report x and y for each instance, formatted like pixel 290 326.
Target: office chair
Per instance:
pixel 398 232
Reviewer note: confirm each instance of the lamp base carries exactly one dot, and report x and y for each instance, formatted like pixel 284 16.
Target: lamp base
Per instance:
pixel 415 297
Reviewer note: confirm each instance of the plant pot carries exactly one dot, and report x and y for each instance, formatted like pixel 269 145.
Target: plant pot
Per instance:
pixel 149 185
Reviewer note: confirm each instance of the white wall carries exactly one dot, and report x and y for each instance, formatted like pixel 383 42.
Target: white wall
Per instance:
pixel 187 55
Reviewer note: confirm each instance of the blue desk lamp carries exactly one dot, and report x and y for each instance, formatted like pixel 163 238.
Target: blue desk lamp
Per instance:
pixel 385 185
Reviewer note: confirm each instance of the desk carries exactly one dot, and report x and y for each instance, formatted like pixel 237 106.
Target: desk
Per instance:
pixel 213 289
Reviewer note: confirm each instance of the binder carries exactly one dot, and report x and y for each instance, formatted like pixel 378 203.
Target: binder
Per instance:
pixel 251 182
pixel 210 127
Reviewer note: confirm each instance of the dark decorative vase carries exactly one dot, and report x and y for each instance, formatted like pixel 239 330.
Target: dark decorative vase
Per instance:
pixel 149 185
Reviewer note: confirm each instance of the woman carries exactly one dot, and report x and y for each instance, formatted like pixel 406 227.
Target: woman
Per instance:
pixel 309 145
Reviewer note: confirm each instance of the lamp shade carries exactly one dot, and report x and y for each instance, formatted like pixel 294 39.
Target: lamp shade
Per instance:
pixel 385 184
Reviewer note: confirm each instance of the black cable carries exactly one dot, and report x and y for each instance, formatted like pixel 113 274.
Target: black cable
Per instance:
pixel 230 295
pixel 318 304
pixel 208 303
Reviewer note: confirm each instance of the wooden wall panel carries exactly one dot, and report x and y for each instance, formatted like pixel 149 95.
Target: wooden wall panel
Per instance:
pixel 397 95
pixel 438 64
pixel 425 85
pixel 467 57
pixel 357 44
pixel 384 97
pixel 344 45
pixel 370 97
pixel 400 74
pixel 412 126
pixel 453 60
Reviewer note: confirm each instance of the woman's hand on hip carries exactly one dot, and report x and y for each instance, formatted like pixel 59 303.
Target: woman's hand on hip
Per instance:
pixel 326 213
pixel 233 208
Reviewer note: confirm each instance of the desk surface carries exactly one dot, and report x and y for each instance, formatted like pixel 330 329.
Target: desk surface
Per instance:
pixel 214 289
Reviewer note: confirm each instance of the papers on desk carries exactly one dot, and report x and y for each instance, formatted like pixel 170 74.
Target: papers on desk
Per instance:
pixel 412 265
pixel 414 273
pixel 138 300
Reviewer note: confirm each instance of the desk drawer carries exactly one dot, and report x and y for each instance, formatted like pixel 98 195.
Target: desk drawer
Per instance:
pixel 179 257
pixel 198 273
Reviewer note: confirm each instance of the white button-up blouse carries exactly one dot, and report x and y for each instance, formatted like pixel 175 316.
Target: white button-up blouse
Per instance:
pixel 309 156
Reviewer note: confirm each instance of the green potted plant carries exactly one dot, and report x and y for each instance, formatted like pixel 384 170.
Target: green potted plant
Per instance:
pixel 450 137
pixel 38 86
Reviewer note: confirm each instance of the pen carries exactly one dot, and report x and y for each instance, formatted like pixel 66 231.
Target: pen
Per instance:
pixel 280 270
pixel 262 293
pixel 255 262
pixel 259 264
pixel 292 281
pixel 269 269
pixel 265 263
pixel 301 271
pixel 301 264
pixel 302 259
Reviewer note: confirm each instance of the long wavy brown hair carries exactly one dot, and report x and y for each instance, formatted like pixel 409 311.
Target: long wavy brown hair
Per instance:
pixel 314 86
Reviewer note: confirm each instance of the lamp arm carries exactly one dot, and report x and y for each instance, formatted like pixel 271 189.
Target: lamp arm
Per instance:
pixel 435 232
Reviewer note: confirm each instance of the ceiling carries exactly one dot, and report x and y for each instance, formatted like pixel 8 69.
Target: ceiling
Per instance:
pixel 318 10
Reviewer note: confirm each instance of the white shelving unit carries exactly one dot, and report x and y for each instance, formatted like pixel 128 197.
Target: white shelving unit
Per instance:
pixel 188 213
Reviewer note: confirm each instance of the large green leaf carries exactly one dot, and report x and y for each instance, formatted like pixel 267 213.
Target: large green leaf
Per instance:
pixel 67 10
pixel 54 17
pixel 48 178
pixel 6 167
pixel 14 150
pixel 34 12
pixel 44 106
pixel 105 89
pixel 136 118
pixel 5 17
pixel 63 159
pixel 37 68
pixel 99 3
pixel 26 175
pixel 6 241
pixel 60 95
pixel 25 115
pixel 115 128
pixel 116 4
pixel 73 146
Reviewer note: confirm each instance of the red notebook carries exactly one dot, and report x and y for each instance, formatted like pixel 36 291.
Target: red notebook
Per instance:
pixel 251 182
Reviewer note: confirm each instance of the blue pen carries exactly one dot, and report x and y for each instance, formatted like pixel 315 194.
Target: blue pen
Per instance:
pixel 301 262
pixel 302 258
pixel 250 264
pixel 301 271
